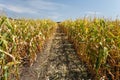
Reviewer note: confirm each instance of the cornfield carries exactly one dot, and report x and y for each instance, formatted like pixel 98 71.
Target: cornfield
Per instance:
pixel 97 43
pixel 20 42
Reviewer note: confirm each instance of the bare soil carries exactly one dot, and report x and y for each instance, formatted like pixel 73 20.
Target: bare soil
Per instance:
pixel 58 61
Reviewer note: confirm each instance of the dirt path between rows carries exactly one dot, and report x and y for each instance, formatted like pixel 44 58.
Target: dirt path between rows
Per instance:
pixel 58 61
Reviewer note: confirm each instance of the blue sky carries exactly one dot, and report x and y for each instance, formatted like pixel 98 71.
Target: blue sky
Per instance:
pixel 60 9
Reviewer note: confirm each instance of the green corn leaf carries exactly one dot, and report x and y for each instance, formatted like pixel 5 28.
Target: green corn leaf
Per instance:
pixel 3 19
pixel 9 25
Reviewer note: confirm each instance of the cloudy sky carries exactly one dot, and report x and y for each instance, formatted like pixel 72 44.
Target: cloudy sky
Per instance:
pixel 60 9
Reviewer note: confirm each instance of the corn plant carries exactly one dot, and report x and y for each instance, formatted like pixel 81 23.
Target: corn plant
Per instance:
pixel 20 42
pixel 97 43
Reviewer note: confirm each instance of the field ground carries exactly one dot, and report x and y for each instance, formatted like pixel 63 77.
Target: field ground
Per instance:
pixel 58 61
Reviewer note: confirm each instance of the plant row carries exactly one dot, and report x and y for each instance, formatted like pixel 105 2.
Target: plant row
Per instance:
pixel 20 41
pixel 97 43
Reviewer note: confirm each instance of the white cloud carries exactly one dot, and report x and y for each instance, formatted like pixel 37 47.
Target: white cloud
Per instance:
pixel 93 13
pixel 1 9
pixel 17 9
pixel 45 5
pixel 54 15
pixel 34 8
